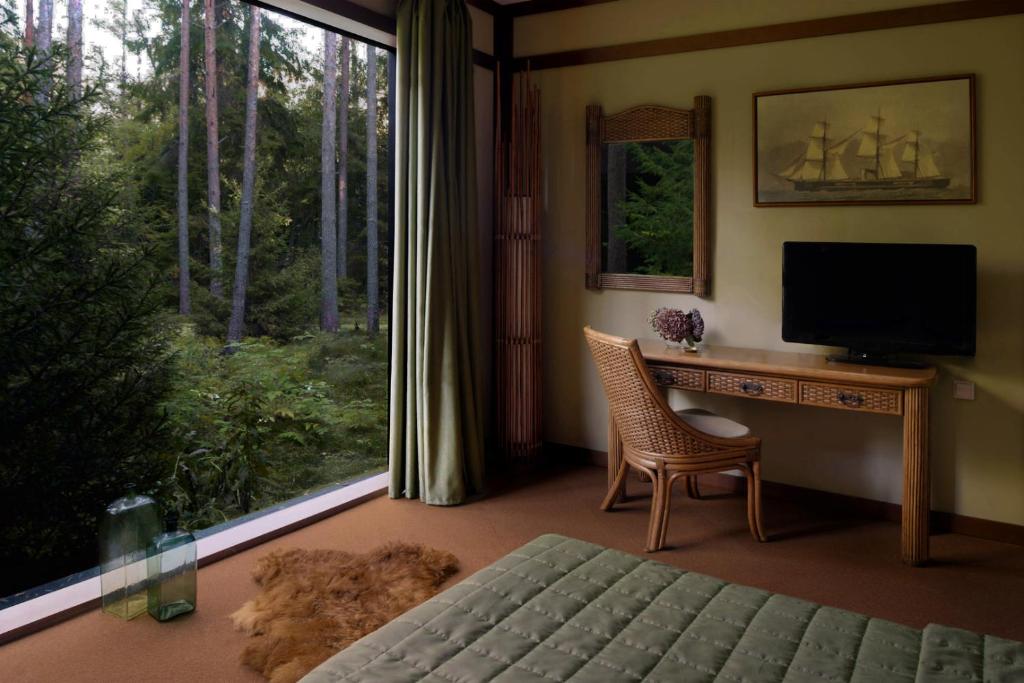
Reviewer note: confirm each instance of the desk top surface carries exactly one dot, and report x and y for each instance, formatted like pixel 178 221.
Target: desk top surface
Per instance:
pixel 786 363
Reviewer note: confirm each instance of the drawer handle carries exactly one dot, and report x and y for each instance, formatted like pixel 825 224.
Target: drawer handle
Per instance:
pixel 664 377
pixel 752 388
pixel 851 400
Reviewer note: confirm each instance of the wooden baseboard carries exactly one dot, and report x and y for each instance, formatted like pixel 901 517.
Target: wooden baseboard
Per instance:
pixel 940 522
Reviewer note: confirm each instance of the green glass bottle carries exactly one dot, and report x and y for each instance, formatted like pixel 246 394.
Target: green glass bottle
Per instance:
pixel 127 527
pixel 172 572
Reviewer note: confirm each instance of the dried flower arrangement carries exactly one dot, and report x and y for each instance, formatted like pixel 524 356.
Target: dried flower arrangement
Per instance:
pixel 678 327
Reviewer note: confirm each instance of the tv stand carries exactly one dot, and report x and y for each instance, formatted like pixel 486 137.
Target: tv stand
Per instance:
pixel 877 359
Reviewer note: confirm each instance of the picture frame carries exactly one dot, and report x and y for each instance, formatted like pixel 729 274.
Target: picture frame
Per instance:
pixel 909 141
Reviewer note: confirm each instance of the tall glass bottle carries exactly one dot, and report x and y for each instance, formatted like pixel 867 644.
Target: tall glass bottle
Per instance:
pixel 127 527
pixel 172 572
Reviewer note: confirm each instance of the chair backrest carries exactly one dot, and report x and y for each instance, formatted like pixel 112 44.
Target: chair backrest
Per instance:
pixel 645 421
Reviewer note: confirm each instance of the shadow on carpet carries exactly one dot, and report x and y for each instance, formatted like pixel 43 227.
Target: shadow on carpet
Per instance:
pixel 313 603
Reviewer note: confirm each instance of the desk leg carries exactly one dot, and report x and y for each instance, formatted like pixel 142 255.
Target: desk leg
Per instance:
pixel 614 454
pixel 916 483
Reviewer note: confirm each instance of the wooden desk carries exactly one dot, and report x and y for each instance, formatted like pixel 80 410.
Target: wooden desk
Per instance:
pixel 809 379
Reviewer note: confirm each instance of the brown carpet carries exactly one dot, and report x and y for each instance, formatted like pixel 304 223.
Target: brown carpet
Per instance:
pixel 851 564
pixel 313 603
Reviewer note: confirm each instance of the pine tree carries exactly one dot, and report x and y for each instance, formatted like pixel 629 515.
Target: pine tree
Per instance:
pixel 44 41
pixel 237 323
pixel 328 191
pixel 212 148
pixel 30 28
pixel 44 29
pixel 75 48
pixel 343 159
pixel 184 271
pixel 372 284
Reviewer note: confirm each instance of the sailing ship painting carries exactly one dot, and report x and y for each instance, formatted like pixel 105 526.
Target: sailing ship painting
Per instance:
pixel 900 142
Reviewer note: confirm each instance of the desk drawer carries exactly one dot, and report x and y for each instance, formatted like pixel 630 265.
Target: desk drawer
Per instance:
pixel 887 401
pixel 677 378
pixel 753 386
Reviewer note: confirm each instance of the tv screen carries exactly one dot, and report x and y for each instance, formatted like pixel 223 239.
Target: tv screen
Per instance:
pixel 880 298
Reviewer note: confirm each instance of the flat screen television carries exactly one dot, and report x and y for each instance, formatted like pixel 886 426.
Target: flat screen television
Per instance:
pixel 880 300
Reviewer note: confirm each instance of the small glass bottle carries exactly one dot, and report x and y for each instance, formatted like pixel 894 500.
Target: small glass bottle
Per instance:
pixel 172 572
pixel 127 527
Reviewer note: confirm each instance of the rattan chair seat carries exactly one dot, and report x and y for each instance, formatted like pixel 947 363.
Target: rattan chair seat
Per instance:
pixel 715 425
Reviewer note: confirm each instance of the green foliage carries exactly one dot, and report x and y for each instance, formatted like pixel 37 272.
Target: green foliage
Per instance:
pixel 268 422
pixel 84 363
pixel 658 208
pixel 283 304
pixel 102 383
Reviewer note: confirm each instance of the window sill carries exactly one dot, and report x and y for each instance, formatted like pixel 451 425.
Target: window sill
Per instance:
pixel 63 602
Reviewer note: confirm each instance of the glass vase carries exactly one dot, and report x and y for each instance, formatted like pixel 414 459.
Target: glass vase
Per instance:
pixel 172 572
pixel 687 344
pixel 127 527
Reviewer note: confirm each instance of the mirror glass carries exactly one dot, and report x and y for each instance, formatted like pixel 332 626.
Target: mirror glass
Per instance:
pixel 647 208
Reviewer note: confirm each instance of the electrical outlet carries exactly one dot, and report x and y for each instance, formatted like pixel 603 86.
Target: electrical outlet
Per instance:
pixel 963 390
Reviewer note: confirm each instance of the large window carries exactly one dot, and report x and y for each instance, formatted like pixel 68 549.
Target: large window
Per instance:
pixel 194 267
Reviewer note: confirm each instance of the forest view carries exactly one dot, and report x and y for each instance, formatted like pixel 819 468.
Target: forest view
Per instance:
pixel 194 208
pixel 647 221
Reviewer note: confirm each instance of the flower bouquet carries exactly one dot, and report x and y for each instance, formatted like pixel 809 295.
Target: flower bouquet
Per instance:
pixel 678 327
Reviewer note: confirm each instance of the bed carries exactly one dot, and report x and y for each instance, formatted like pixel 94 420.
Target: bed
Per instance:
pixel 561 609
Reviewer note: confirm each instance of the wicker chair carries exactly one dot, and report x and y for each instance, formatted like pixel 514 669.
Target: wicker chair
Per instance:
pixel 665 444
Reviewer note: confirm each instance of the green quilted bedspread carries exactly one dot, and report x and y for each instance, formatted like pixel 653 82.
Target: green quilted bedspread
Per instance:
pixel 560 609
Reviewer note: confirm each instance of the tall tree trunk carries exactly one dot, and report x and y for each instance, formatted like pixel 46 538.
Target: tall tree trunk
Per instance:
pixel 75 48
pixel 372 280
pixel 212 149
pixel 329 190
pixel 184 275
pixel 30 27
pixel 343 159
pixel 44 40
pixel 44 29
pixel 237 324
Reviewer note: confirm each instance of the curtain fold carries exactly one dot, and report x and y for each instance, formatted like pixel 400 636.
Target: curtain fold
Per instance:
pixel 436 448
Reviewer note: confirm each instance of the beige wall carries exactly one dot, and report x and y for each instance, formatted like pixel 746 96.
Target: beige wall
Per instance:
pixel 977 447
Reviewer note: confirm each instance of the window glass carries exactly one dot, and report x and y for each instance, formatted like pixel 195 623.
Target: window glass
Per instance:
pixel 195 267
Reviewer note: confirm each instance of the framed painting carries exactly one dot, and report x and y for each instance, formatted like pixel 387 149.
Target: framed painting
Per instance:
pixel 893 142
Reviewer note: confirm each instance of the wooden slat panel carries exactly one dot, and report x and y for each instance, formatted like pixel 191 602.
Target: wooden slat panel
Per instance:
pixel 517 271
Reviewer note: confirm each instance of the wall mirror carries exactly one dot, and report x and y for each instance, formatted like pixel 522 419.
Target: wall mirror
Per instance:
pixel 648 198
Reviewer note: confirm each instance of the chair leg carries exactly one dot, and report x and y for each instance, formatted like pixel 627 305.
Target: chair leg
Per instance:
pixel 666 508
pixel 752 471
pixel 617 487
pixel 659 513
pixel 757 502
pixel 691 487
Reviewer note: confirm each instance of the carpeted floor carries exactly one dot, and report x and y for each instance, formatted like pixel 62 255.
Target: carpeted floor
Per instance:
pixel 852 564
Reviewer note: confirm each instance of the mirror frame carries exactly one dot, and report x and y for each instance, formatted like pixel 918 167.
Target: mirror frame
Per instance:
pixel 650 123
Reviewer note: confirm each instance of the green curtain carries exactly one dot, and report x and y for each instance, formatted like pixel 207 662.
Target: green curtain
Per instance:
pixel 436 448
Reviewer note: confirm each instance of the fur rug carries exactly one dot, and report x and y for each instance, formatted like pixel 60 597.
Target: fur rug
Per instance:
pixel 313 603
